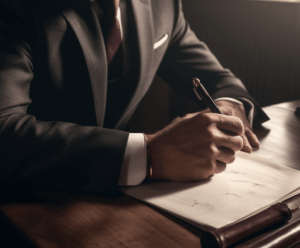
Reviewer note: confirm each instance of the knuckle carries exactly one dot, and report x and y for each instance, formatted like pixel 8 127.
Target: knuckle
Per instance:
pixel 212 151
pixel 210 134
pixel 211 166
pixel 206 118
pixel 231 159
pixel 239 126
pixel 248 131
pixel 239 143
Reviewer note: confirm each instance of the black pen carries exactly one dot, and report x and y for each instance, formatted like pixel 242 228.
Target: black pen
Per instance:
pixel 202 94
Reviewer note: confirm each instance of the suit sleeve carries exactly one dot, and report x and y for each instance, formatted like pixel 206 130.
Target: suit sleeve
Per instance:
pixel 49 155
pixel 187 57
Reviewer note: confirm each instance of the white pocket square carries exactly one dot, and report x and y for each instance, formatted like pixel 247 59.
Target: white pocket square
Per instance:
pixel 161 41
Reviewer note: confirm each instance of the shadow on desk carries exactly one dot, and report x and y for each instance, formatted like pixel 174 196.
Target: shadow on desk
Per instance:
pixel 12 236
pixel 55 219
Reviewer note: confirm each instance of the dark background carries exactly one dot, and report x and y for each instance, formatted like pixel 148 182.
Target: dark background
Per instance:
pixel 259 41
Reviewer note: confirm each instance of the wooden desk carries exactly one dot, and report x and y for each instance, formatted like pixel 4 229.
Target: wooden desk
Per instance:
pixel 81 221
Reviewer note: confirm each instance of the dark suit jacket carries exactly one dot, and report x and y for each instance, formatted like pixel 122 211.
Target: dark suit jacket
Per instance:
pixel 53 87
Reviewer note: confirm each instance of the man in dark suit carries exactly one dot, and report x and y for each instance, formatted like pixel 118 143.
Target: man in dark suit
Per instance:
pixel 63 113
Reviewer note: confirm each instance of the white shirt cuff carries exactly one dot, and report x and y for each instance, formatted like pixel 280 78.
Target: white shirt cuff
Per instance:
pixel 134 168
pixel 251 112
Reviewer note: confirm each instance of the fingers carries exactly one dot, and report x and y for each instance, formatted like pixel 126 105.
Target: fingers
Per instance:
pixel 246 147
pixel 235 126
pixel 205 170
pixel 215 167
pixel 238 110
pixel 252 138
pixel 226 123
pixel 231 124
pixel 220 167
pixel 226 135
pixel 250 141
pixel 232 142
pixel 225 155
pixel 214 164
pixel 218 163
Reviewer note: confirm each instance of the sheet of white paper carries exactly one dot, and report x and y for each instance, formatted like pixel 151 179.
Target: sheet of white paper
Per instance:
pixel 248 184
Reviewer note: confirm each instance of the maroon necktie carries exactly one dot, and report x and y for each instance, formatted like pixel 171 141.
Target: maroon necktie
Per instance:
pixel 112 37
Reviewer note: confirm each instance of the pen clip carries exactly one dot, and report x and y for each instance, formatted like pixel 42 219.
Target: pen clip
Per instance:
pixel 196 83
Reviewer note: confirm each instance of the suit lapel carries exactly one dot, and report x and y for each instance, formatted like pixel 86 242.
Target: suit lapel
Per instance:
pixel 144 29
pixel 85 24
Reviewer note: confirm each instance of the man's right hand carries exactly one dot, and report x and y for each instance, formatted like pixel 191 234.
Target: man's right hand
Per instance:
pixel 195 146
